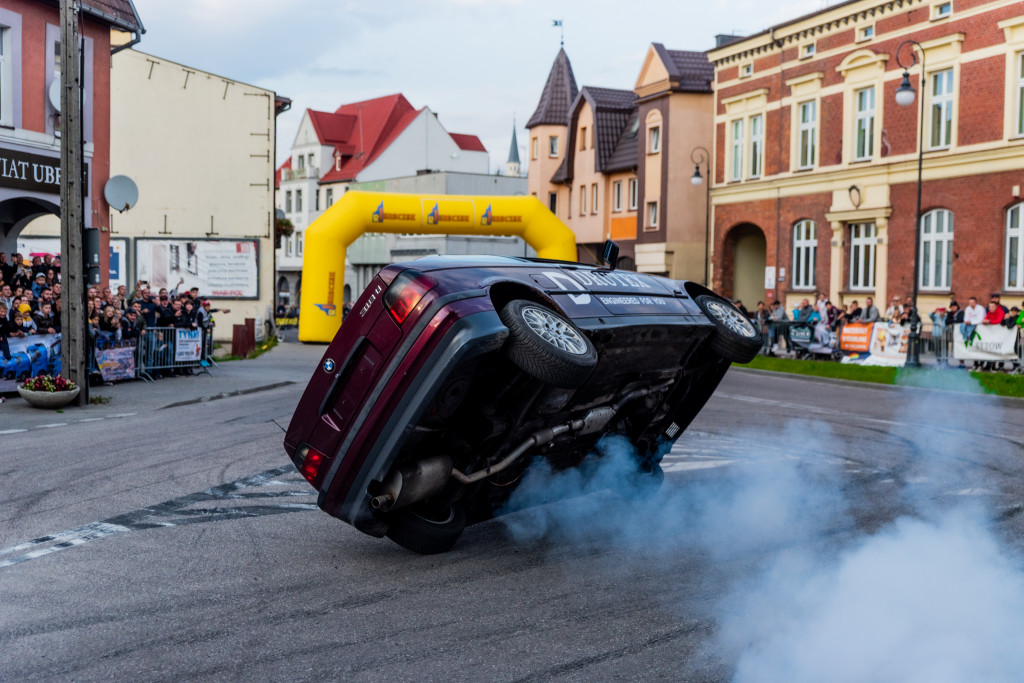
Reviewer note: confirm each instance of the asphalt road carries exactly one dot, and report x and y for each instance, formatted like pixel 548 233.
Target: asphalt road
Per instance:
pixel 179 544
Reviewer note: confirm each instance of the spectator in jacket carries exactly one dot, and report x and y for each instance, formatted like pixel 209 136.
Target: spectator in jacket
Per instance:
pixel 870 312
pixel 954 316
pixel 894 311
pixel 995 299
pixel 854 311
pixel 7 330
pixel 803 312
pixel 45 321
pixel 6 296
pixel 995 314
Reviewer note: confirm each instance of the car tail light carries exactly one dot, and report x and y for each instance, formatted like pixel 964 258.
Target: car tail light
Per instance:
pixel 310 462
pixel 405 293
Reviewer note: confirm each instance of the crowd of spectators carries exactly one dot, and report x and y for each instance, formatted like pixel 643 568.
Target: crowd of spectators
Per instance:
pixel 29 298
pixel 30 304
pixel 773 320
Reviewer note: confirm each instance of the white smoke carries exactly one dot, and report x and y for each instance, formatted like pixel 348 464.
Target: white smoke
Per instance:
pixel 931 596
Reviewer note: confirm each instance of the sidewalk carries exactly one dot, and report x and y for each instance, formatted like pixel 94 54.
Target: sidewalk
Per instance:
pixel 287 363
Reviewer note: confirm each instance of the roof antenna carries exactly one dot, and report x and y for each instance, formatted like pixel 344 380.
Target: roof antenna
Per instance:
pixel 561 31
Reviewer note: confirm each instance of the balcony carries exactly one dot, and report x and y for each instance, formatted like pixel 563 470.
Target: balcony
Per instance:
pixel 299 174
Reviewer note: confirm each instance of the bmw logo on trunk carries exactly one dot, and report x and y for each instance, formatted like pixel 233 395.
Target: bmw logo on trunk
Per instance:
pixel 329 365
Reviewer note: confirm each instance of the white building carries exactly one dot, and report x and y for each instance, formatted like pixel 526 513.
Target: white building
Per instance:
pixel 382 145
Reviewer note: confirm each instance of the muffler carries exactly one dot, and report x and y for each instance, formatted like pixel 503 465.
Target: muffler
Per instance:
pixel 413 482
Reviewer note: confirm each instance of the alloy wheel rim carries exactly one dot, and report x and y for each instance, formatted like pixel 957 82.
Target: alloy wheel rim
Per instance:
pixel 731 318
pixel 554 330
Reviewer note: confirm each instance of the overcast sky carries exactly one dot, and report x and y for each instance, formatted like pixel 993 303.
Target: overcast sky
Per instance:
pixel 476 63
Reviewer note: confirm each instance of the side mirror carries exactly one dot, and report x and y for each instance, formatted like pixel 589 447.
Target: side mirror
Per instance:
pixel 610 254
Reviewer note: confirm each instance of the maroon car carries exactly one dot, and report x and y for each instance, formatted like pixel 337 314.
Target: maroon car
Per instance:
pixel 451 374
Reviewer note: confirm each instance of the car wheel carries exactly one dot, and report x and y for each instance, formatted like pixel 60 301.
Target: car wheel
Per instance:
pixel 545 345
pixel 735 338
pixel 425 531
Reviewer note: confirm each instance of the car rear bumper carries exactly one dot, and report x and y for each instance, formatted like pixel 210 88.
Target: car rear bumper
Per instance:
pixel 369 452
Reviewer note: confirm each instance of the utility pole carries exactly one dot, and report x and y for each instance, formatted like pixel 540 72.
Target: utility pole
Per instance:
pixel 74 341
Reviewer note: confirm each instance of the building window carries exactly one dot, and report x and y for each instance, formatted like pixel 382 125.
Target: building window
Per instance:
pixel 805 254
pixel 1014 250
pixel 300 162
pixel 288 246
pixel 756 145
pixel 617 196
pixel 6 79
pixel 330 197
pixel 298 243
pixel 865 124
pixel 942 109
pixel 533 148
pixel 298 200
pixel 808 134
pixel 862 255
pixel 866 33
pixel 583 138
pixel 634 194
pixel 288 201
pixel 746 70
pixel 807 51
pixel 737 149
pixel 593 198
pixel 583 199
pixel 310 164
pixel 316 199
pixel 1020 93
pixel 553 146
pixel 937 250
pixel 655 139
pixel 652 215
pixel 553 202
pixel 942 10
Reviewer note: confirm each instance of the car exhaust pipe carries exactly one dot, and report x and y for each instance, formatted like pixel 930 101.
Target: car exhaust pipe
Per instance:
pixel 413 482
pixel 594 421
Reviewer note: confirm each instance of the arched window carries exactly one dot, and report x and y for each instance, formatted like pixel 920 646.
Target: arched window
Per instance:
pixel 936 250
pixel 805 254
pixel 1014 250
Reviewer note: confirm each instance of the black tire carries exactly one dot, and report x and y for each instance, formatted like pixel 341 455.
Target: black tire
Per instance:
pixel 735 338
pixel 545 345
pixel 426 532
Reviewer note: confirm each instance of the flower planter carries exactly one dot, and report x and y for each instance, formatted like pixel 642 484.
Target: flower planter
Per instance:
pixel 48 399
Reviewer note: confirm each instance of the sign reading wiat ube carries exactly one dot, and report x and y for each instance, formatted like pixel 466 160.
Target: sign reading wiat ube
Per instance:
pixel 30 171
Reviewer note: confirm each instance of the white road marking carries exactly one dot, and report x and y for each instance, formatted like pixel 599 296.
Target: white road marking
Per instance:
pixel 12 431
pixel 55 424
pixel 92 419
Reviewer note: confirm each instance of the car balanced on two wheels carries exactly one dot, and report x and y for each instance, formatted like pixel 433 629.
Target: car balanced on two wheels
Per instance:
pixel 453 374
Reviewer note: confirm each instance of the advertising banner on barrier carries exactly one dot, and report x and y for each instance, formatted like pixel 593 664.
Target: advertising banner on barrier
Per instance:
pixel 856 337
pixel 117 362
pixel 188 345
pixel 888 345
pixel 36 354
pixel 989 342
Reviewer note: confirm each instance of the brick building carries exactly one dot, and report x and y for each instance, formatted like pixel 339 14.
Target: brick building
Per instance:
pixel 816 165
pixel 617 163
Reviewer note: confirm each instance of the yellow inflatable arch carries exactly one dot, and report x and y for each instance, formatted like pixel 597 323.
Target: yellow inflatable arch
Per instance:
pixel 323 261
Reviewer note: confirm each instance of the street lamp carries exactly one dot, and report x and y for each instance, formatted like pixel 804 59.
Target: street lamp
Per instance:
pixel 905 97
pixel 699 156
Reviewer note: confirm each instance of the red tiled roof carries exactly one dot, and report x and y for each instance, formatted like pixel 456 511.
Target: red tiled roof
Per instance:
pixel 119 13
pixel 361 131
pixel 469 143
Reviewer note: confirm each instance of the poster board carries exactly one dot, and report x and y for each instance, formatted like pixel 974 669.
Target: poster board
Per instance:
pixel 220 268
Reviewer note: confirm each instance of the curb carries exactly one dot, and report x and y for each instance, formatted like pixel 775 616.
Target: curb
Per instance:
pixel 228 394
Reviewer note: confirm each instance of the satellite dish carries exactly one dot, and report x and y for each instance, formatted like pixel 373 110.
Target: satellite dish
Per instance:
pixel 278 213
pixel 54 94
pixel 121 193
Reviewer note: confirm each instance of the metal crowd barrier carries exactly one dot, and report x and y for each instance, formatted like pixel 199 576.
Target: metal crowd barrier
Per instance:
pixel 936 340
pixel 156 351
